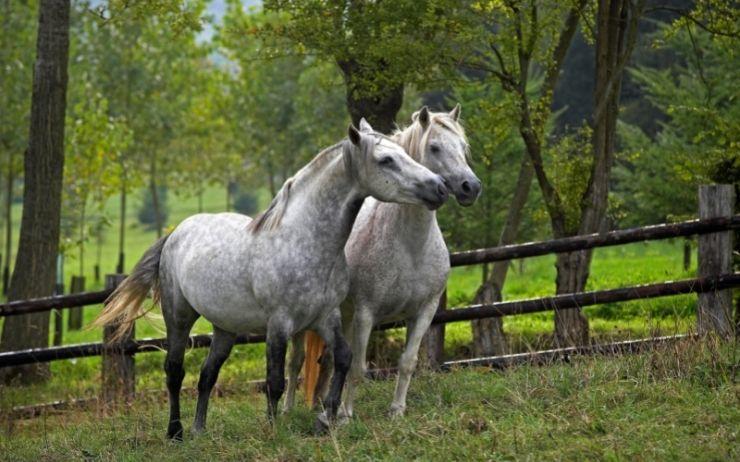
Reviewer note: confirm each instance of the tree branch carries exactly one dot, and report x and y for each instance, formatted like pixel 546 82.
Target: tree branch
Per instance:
pixel 566 37
pixel 622 59
pixel 687 14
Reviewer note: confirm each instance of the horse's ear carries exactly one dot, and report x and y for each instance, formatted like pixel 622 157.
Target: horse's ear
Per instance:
pixel 422 115
pixel 354 135
pixel 365 126
pixel 455 112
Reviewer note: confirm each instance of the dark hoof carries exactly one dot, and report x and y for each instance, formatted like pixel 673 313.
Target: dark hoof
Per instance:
pixel 174 431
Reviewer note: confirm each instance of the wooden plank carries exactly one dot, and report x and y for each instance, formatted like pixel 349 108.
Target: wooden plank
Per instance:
pixel 570 244
pixel 686 286
pixel 714 313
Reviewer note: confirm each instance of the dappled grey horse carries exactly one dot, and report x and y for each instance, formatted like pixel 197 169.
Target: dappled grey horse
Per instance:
pixel 279 274
pixel 398 260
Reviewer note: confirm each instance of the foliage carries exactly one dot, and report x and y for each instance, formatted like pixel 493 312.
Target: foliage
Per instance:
pixel 658 179
pixel 94 140
pixel 146 213
pixel 489 117
pixel 394 43
pixel 278 123
pixel 246 203
pixel 17 48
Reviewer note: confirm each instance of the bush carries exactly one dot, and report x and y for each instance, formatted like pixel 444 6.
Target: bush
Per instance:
pixel 146 212
pixel 246 203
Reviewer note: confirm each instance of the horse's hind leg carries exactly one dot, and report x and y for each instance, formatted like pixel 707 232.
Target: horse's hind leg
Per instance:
pixel 179 318
pixel 326 369
pixel 297 355
pixel 220 349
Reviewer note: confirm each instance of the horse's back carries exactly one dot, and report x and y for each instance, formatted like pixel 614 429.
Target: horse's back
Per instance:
pixel 207 257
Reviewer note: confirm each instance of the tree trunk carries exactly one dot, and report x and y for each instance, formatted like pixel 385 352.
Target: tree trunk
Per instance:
pixel 155 197
pixel 122 231
pixel 616 22
pixel 8 223
pixel 35 268
pixel 81 268
pixel 686 254
pixel 488 334
pixel 571 326
pixel 379 108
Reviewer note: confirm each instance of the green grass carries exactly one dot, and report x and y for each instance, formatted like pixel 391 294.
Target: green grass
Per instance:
pixel 679 402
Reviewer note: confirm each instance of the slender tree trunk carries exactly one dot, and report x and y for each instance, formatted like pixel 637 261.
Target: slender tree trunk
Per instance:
pixel 155 197
pixel 686 254
pixel 8 223
pixel 120 268
pixel 228 196
pixel 35 268
pixel 98 254
pixel 81 268
pixel 200 200
pixel 488 334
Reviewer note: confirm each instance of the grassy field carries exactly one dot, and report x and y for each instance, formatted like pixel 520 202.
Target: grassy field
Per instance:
pixel 680 402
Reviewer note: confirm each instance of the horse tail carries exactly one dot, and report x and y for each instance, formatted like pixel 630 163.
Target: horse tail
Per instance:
pixel 311 368
pixel 124 306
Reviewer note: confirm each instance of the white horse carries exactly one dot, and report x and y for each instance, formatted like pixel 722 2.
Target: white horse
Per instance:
pixel 279 274
pixel 398 260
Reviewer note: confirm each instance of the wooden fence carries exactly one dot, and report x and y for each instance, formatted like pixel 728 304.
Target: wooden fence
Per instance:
pixel 714 227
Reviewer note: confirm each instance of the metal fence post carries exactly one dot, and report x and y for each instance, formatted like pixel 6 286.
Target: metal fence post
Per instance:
pixel 714 311
pixel 119 377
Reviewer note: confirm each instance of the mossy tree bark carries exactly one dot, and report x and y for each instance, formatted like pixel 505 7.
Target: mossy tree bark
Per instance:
pixel 34 274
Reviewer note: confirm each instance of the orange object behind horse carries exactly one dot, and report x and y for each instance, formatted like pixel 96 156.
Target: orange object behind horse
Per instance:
pixel 314 347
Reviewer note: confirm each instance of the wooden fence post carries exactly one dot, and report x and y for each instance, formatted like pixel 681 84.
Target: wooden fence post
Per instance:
pixel 433 344
pixel 714 311
pixel 118 367
pixel 76 286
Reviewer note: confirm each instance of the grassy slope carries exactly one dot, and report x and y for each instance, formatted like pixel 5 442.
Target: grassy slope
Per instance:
pixel 680 403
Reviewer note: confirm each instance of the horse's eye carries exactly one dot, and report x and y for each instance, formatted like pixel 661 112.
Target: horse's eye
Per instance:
pixel 386 161
pixel 434 148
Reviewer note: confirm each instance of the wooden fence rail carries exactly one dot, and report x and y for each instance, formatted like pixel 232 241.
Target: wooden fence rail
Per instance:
pixel 467 313
pixel 590 241
pixel 466 258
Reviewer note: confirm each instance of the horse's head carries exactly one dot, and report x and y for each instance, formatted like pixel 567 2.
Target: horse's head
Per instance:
pixel 443 148
pixel 384 170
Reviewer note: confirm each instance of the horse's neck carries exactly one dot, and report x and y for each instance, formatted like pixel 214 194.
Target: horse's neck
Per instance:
pixel 413 222
pixel 324 204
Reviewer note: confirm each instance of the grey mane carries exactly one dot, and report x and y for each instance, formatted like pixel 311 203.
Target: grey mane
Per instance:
pixel 271 218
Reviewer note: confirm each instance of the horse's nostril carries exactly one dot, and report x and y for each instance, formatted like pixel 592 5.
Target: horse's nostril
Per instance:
pixel 441 190
pixel 465 187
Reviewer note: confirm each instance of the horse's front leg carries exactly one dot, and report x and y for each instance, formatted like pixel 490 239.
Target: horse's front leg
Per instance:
pixel 332 334
pixel 415 330
pixel 277 345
